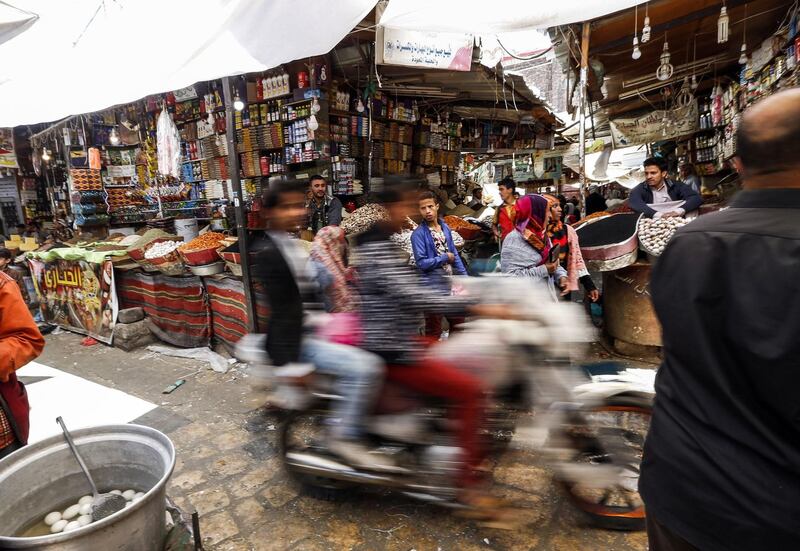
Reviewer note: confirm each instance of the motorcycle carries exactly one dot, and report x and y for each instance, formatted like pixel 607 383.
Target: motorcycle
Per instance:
pixel 591 428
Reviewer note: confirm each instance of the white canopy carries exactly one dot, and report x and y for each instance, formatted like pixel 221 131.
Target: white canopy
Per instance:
pixel 499 16
pixel 13 21
pixel 86 55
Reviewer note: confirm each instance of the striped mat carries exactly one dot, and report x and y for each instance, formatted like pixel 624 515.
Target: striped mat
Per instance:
pixel 176 305
pixel 228 308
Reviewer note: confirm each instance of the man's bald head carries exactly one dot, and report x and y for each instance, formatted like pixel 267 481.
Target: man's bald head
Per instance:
pixel 768 138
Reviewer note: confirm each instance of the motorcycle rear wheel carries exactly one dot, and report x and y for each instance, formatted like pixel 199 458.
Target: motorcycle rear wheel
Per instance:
pixel 619 507
pixel 298 432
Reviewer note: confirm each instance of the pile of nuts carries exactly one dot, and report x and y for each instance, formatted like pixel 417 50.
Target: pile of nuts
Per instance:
pixel 655 233
pixel 161 249
pixel 362 219
pixel 403 240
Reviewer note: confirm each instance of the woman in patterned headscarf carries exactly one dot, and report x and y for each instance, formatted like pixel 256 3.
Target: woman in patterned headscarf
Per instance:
pixel 335 278
pixel 570 255
pixel 525 250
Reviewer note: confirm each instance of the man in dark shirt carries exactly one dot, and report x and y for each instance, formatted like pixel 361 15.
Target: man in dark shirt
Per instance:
pixel 658 188
pixel 594 201
pixel 323 209
pixel 721 467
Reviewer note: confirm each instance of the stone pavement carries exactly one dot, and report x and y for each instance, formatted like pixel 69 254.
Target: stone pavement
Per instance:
pixel 227 469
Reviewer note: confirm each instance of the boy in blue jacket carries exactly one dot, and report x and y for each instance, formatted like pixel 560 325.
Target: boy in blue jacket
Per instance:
pixel 436 257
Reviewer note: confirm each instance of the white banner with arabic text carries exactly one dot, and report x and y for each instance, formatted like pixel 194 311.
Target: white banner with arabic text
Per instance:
pixel 652 128
pixel 452 51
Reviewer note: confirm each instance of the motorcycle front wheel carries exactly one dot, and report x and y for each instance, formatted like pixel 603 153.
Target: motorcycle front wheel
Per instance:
pixel 614 434
pixel 305 432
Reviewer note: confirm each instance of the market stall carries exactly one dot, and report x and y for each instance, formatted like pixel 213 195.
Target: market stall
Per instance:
pixel 678 92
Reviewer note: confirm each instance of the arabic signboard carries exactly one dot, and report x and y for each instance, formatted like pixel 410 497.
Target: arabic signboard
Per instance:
pixel 452 51
pixel 652 128
pixel 8 159
pixel 77 295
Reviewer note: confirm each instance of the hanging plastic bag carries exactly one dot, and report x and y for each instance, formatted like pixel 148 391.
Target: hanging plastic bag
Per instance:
pixel 168 142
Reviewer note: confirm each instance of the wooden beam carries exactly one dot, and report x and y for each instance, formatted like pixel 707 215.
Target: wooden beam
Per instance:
pixel 657 29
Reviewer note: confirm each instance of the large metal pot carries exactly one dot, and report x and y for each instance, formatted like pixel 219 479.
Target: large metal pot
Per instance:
pixel 42 477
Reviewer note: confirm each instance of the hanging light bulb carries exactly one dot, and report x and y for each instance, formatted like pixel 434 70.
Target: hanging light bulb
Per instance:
pixel 743 56
pixel 637 53
pixel 664 71
pixel 646 28
pixel 723 25
pixel 45 154
pixel 315 106
pixel 312 123
pixel 360 106
pixel 238 104
pixel 113 137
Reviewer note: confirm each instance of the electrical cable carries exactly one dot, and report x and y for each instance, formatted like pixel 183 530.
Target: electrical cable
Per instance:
pixel 537 56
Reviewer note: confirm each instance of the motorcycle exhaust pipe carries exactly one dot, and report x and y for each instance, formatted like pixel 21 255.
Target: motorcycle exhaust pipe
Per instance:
pixel 328 468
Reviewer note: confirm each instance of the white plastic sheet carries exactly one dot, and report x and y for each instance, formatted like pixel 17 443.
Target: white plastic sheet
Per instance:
pixel 82 56
pixel 500 16
pixel 217 362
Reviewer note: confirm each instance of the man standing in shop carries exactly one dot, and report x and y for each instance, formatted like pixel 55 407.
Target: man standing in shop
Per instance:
pixel 594 201
pixel 506 214
pixel 20 342
pixel 721 466
pixel 657 188
pixel 436 257
pixel 323 209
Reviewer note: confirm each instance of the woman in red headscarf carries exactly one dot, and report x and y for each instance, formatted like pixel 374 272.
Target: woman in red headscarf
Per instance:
pixel 526 250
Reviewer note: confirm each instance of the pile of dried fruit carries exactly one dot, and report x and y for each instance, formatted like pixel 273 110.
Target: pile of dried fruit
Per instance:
pixel 208 240
pixel 456 223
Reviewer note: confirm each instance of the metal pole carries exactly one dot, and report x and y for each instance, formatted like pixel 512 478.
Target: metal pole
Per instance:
pixel 238 202
pixel 583 84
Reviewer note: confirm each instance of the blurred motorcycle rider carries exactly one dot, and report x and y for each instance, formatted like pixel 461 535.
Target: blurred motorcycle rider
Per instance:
pixel 392 299
pixel 281 263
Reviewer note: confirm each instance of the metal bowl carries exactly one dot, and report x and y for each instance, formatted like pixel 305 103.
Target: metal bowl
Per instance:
pixel 42 475
pixel 208 269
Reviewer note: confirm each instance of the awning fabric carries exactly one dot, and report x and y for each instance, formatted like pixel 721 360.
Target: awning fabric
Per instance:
pixel 86 55
pixel 13 21
pixel 500 16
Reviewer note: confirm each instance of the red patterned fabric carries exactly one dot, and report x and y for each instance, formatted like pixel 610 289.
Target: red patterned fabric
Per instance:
pixel 6 434
pixel 178 306
pixel 228 308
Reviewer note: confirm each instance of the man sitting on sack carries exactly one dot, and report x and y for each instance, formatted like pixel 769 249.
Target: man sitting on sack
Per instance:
pixel 658 196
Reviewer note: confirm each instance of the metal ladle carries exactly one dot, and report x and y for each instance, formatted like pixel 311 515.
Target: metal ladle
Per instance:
pixel 103 505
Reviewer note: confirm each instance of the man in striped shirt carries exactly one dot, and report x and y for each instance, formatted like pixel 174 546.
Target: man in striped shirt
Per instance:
pixel 393 299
